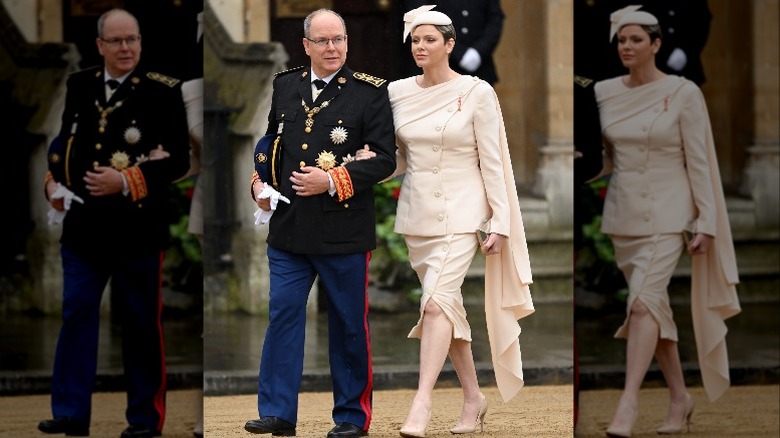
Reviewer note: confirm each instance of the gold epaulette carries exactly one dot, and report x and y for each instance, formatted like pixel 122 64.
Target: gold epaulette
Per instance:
pixel 289 70
pixel 159 77
pixel 582 81
pixel 373 80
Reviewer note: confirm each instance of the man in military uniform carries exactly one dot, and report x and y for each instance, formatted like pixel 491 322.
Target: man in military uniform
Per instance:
pixel 123 140
pixel 320 117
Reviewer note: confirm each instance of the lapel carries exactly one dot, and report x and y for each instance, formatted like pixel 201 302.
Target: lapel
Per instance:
pixel 125 89
pixel 304 88
pixel 119 93
pixel 335 85
pixel 130 84
pixel 99 87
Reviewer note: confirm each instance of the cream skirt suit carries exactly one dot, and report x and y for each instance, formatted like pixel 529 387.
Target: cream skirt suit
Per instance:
pixel 665 179
pixel 458 177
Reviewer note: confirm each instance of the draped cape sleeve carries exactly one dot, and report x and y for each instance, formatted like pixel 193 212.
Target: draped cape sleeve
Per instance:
pixel 507 293
pixel 713 279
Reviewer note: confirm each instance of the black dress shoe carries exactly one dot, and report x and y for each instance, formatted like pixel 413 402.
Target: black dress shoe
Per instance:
pixel 273 425
pixel 139 431
pixel 68 426
pixel 346 429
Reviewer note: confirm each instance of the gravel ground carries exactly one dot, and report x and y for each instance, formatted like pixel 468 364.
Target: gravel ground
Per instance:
pixel 743 411
pixel 19 415
pixel 537 411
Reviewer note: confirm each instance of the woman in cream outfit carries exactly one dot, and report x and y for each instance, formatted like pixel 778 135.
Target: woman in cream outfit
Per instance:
pixel 458 177
pixel 665 179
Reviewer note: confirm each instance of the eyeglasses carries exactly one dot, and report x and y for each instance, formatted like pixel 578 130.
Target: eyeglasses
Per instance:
pixel 117 42
pixel 322 42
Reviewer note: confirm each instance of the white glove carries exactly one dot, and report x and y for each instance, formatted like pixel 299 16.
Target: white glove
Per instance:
pixel 471 60
pixel 677 60
pixel 55 216
pixel 261 216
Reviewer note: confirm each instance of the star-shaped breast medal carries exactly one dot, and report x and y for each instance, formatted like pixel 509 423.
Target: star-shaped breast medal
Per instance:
pixel 326 160
pixel 338 135
pixel 120 160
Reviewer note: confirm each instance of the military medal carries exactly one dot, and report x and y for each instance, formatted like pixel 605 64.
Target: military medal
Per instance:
pixel 120 160
pixel 326 160
pixel 338 135
pixel 132 135
pixel 311 112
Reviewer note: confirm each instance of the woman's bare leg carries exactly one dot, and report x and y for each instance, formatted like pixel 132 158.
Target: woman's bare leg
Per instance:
pixel 463 361
pixel 643 332
pixel 434 345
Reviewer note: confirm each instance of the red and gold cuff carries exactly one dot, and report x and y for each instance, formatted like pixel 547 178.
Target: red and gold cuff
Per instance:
pixel 136 182
pixel 343 182
pixel 255 177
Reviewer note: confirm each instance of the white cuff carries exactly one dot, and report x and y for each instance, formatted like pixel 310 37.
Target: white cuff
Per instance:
pixel 331 186
pixel 125 188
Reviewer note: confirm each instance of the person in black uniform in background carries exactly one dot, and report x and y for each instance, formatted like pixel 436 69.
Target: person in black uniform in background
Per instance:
pixel 686 27
pixel 123 139
pixel 478 24
pixel 320 117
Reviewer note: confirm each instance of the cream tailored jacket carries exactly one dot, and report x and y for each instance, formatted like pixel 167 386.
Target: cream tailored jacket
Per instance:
pixel 449 151
pixel 655 137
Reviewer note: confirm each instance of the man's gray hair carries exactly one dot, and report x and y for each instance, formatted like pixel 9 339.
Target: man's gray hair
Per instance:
pixel 307 21
pixel 102 20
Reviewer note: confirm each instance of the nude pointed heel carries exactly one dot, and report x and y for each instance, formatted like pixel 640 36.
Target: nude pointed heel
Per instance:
pixel 462 428
pixel 625 430
pixel 672 429
pixel 408 432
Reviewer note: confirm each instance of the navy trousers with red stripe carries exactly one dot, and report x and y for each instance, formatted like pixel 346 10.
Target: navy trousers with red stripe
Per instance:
pixel 135 282
pixel 345 277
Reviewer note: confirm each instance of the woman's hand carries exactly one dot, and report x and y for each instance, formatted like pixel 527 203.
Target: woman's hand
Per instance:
pixel 158 154
pixel 493 244
pixel 700 244
pixel 364 154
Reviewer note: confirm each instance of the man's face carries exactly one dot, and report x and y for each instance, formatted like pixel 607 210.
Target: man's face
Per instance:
pixel 327 58
pixel 120 44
